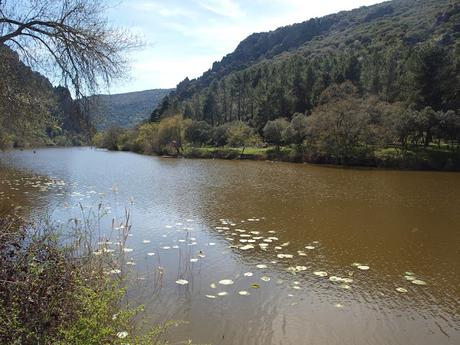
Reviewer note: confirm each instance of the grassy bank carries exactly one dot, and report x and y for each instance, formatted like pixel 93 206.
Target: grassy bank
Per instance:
pixel 56 288
pixel 431 158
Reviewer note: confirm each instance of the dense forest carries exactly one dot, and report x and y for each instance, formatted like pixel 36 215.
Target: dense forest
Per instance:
pixel 33 112
pixel 378 83
pixel 125 110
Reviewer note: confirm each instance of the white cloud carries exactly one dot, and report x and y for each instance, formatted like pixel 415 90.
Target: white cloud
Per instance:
pixel 225 8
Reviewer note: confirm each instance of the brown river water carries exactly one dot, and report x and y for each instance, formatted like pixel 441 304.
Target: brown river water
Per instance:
pixel 211 221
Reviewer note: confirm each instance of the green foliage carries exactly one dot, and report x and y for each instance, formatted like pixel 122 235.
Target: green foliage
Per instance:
pixel 198 133
pixel 51 293
pixel 296 132
pixel 273 131
pixel 32 112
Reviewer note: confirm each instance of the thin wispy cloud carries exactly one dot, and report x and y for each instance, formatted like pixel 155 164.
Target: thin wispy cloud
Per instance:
pixel 224 8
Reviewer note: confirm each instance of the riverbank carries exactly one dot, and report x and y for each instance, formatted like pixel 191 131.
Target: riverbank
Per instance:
pixel 64 292
pixel 430 158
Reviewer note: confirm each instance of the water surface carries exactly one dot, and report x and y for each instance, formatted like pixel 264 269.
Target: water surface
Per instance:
pixel 392 221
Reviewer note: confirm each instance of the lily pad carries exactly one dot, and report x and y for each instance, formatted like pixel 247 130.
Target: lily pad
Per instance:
pixel 363 267
pixel 226 282
pixel 400 289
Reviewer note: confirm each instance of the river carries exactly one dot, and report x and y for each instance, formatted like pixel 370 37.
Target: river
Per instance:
pixel 269 232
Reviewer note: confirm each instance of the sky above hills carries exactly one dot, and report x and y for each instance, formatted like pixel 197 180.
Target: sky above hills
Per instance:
pixel 184 37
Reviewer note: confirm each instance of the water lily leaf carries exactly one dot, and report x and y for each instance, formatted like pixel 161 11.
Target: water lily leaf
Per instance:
pixel 363 267
pixel 226 282
pixel 320 273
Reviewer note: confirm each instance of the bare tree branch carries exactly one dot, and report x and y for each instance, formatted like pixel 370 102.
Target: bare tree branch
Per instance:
pixel 69 37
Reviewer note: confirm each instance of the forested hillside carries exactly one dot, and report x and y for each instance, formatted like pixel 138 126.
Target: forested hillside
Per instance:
pixel 32 111
pixel 125 109
pixel 403 50
pixel 378 85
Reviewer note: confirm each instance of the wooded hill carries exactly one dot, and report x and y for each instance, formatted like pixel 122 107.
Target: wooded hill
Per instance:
pixel 124 110
pixel 32 111
pixel 398 51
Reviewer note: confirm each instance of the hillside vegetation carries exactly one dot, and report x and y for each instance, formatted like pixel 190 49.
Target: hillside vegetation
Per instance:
pixel 32 111
pixel 376 86
pixel 125 109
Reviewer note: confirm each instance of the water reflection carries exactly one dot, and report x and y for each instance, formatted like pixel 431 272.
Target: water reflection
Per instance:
pixel 198 220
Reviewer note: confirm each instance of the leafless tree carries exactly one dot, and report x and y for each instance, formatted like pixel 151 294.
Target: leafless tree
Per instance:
pixel 71 38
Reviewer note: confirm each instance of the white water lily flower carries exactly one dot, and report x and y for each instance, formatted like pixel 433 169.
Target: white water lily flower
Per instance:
pixel 363 267
pixel 210 296
pixel 193 260
pixel 309 247
pixel 182 282
pixel 248 274
pixel 226 282
pixel 265 278
pixel 223 293
pixel 213 285
pixel 211 244
pixel 243 293
pixel 320 273
pixel 122 335
pixel 151 254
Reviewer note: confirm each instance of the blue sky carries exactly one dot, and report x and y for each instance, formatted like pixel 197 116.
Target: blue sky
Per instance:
pixel 184 37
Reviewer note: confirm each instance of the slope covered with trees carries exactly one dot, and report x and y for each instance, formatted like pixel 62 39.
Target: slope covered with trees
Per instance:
pixel 32 111
pixel 125 109
pixel 353 87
